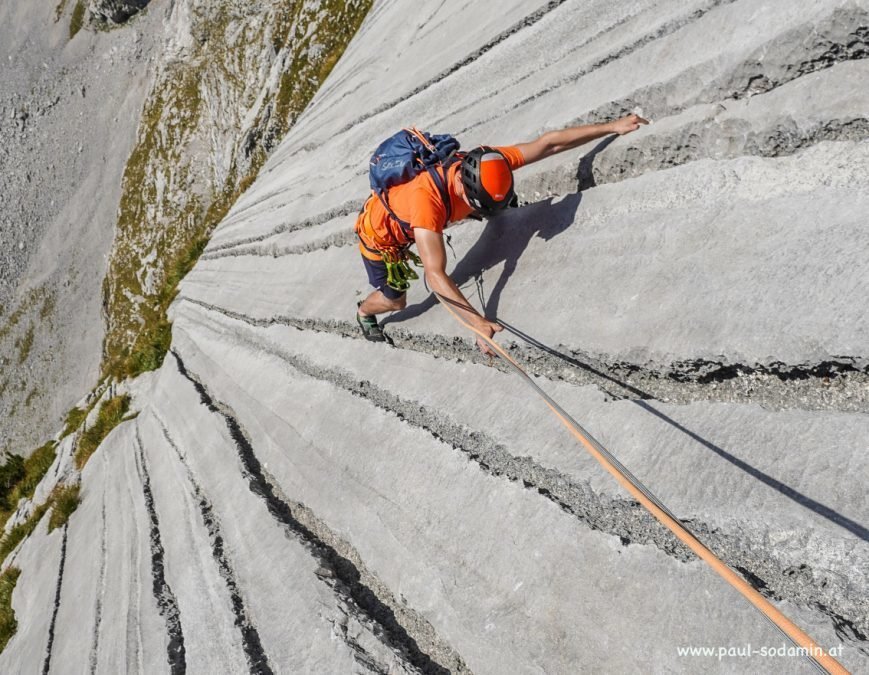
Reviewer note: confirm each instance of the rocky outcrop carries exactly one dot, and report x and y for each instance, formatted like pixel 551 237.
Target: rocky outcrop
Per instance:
pixel 192 98
pixel 69 117
pixel 234 77
pixel 115 11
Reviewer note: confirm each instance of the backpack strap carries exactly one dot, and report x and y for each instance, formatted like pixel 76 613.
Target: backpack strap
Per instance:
pixel 440 182
pixel 420 136
pixel 441 185
pixel 405 226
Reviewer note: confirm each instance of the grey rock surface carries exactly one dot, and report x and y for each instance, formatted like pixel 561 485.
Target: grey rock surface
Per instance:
pixel 92 108
pixel 290 496
pixel 70 110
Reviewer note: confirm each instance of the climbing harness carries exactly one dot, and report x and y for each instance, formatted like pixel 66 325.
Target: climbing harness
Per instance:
pixel 814 652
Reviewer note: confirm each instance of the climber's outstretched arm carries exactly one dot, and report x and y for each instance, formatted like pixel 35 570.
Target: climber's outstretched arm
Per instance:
pixel 553 142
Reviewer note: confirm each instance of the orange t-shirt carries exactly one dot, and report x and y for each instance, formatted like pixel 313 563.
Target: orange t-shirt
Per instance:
pixel 419 202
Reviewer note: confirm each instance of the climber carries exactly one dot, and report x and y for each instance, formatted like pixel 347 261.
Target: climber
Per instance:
pixel 478 184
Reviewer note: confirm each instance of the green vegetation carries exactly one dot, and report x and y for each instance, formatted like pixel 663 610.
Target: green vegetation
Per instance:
pixel 48 305
pixel 153 342
pixel 31 397
pixel 74 419
pixel 110 415
pixel 19 478
pixel 8 623
pixel 139 333
pixel 26 304
pixel 25 344
pixel 176 230
pixel 77 20
pixel 339 21
pixel 64 501
pixel 11 473
pixel 21 531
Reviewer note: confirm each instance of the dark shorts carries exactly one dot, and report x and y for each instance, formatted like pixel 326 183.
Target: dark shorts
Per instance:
pixel 376 270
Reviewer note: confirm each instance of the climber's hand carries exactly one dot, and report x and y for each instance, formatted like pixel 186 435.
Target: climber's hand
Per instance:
pixel 488 328
pixel 626 125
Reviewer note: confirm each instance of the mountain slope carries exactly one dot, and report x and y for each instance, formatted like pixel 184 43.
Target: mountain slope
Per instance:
pixel 292 498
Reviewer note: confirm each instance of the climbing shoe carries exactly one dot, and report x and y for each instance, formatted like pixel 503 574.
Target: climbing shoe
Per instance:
pixel 370 328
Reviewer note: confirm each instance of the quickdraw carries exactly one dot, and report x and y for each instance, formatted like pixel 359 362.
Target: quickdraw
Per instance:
pixel 398 273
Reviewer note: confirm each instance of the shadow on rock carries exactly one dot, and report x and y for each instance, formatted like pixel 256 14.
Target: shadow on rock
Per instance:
pixel 585 171
pixel 642 399
pixel 504 239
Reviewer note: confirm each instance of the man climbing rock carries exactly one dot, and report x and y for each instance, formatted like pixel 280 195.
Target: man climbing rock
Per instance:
pixel 417 205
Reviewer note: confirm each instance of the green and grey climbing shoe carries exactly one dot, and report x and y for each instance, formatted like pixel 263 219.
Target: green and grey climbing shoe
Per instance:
pixel 370 328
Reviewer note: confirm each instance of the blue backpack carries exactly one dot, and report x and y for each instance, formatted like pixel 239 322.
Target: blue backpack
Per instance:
pixel 405 155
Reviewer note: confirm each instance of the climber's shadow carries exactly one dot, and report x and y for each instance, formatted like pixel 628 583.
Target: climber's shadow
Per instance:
pixel 504 239
pixel 585 171
pixel 644 400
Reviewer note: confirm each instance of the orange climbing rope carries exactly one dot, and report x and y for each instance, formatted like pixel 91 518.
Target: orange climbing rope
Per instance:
pixel 812 650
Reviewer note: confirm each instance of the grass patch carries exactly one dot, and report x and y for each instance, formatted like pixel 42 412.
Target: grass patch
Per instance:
pixel 8 623
pixel 11 473
pixel 31 397
pixel 110 415
pixel 77 20
pixel 21 531
pixel 19 478
pixel 35 467
pixel 152 342
pixel 64 501
pixel 25 344
pixel 26 305
pixel 338 24
pixel 48 306
pixel 74 419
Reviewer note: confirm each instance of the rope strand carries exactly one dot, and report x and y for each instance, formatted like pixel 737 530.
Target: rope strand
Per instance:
pixel 814 652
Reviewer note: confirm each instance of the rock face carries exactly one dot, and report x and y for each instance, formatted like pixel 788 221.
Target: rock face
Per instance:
pixel 116 11
pixel 233 76
pixel 291 498
pixel 121 149
pixel 70 110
